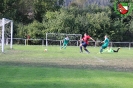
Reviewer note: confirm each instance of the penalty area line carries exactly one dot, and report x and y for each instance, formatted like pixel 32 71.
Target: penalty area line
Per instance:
pixel 99 59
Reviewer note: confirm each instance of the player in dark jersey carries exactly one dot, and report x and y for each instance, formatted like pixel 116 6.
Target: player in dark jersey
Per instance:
pixel 85 42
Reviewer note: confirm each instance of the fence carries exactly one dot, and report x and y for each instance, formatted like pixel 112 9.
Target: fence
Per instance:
pixel 59 42
pixel 40 42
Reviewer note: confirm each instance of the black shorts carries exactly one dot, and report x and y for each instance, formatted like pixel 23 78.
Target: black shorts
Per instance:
pixel 84 44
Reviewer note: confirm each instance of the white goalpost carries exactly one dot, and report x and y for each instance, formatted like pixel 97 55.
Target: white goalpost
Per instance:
pixel 57 39
pixel 3 22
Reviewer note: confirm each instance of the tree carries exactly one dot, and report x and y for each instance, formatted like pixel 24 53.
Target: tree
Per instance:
pixel 42 6
pixel 8 8
pixel 59 21
pixel 80 3
pixel 78 20
pixel 35 30
pixel 16 10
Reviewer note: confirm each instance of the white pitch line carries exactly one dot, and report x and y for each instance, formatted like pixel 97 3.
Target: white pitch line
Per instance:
pixel 99 59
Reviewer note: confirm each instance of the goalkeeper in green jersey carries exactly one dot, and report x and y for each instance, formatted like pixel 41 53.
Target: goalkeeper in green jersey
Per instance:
pixel 65 42
pixel 105 43
pixel 110 50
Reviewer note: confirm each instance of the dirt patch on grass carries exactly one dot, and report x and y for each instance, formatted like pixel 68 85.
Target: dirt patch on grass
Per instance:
pixel 115 64
pixel 27 58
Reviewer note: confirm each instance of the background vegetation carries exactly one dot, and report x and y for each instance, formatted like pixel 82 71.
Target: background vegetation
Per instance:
pixel 36 17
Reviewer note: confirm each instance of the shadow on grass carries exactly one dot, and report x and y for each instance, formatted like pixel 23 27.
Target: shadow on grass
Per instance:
pixel 56 65
pixel 57 85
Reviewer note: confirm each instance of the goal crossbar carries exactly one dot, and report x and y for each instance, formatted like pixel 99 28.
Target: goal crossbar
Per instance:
pixel 61 34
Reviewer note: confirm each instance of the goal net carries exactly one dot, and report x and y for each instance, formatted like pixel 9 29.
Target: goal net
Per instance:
pixel 6 31
pixel 57 39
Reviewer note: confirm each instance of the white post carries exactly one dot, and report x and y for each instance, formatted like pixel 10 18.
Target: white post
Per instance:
pixel 111 44
pixel 3 29
pixel 25 41
pixel 11 41
pixel 46 40
pixel 60 42
pixel 77 43
pixel 42 42
pixel 6 41
pixel 95 43
pixel 80 39
pixel 129 45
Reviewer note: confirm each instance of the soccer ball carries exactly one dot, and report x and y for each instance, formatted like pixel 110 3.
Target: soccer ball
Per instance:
pixel 45 50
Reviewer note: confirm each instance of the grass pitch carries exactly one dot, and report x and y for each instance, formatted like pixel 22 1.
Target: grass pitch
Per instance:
pixel 31 67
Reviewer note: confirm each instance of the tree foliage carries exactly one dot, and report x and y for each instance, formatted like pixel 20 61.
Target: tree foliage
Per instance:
pixel 42 6
pixel 37 17
pixel 78 20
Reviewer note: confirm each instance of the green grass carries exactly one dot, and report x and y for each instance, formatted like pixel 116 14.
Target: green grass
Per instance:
pixel 42 77
pixel 31 67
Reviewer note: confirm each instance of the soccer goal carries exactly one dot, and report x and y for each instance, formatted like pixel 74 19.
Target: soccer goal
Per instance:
pixel 57 39
pixel 6 31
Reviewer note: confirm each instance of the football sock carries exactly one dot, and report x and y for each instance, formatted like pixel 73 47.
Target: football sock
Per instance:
pixel 101 50
pixel 118 49
pixel 62 47
pixel 86 50
pixel 65 47
pixel 81 49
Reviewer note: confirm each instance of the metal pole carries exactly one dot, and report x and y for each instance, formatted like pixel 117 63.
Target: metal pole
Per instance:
pixel 111 44
pixel 11 41
pixel 42 42
pixel 3 29
pixel 95 43
pixel 25 42
pixel 77 43
pixel 6 41
pixel 80 39
pixel 129 45
pixel 60 43
pixel 46 40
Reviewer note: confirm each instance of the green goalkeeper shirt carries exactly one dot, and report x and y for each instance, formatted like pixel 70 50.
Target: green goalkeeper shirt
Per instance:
pixel 110 50
pixel 66 40
pixel 106 42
